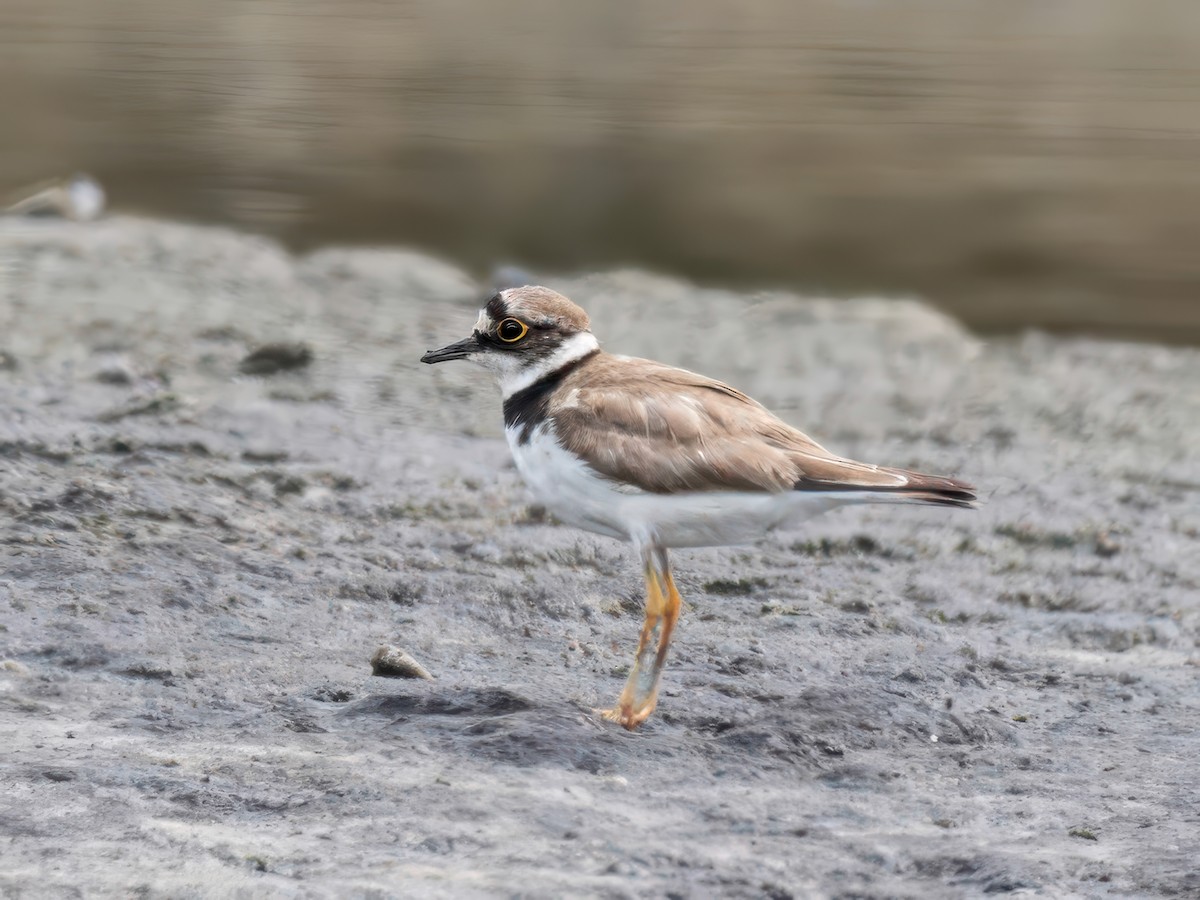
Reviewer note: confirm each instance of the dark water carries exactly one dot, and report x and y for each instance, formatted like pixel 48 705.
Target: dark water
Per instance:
pixel 1018 163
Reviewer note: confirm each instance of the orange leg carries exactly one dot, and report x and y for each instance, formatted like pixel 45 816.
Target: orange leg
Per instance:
pixel 640 695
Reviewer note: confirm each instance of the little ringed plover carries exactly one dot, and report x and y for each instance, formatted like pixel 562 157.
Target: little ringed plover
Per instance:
pixel 657 456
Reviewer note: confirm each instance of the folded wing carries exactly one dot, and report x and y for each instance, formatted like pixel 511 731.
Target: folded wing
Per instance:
pixel 668 430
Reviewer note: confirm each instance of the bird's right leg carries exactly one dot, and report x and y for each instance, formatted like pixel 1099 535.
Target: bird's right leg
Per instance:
pixel 640 695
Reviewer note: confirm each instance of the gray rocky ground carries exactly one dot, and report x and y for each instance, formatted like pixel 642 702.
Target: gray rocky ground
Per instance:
pixel 197 565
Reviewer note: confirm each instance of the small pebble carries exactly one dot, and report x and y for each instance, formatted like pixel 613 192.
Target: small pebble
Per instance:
pixel 116 370
pixel 271 358
pixel 265 456
pixel 393 662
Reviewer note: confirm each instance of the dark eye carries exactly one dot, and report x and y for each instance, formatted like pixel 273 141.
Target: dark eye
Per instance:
pixel 511 330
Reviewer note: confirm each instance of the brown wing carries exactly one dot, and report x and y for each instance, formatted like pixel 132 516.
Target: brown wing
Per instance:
pixel 665 429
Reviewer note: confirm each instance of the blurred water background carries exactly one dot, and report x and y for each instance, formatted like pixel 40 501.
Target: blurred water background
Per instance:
pixel 1019 163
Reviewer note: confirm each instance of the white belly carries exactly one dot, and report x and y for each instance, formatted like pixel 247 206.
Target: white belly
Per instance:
pixel 578 496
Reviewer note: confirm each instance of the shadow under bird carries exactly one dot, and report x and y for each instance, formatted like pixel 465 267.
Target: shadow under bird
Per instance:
pixel 657 456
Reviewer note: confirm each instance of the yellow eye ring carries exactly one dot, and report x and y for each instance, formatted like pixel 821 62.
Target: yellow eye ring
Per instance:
pixel 511 330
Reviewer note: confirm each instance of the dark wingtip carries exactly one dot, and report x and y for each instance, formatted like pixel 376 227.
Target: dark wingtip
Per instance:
pixel 959 501
pixel 940 490
pixel 933 489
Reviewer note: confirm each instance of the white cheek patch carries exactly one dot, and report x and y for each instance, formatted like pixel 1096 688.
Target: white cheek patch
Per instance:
pixel 505 366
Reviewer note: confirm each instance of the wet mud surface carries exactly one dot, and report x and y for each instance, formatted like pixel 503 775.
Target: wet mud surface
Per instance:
pixel 225 482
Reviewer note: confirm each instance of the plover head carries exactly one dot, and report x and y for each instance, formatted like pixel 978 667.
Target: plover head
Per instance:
pixel 522 335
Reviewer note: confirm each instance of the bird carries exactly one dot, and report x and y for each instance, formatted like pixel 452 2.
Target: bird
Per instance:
pixel 657 456
pixel 79 197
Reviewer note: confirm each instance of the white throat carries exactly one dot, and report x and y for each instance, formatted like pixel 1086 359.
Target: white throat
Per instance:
pixel 576 347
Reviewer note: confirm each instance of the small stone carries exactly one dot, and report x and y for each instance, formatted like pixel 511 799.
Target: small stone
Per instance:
pixel 116 370
pixel 265 456
pixel 280 357
pixel 393 662
pixel 856 606
pixel 289 484
pixel 8 362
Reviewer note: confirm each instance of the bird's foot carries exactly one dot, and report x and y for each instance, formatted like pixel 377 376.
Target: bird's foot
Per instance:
pixel 626 716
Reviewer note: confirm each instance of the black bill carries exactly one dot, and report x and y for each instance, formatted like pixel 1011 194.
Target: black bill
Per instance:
pixel 458 350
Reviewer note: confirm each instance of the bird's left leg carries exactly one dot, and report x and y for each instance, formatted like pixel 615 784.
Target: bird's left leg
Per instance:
pixel 640 695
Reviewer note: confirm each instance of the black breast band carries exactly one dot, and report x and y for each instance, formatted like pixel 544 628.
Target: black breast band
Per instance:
pixel 527 408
